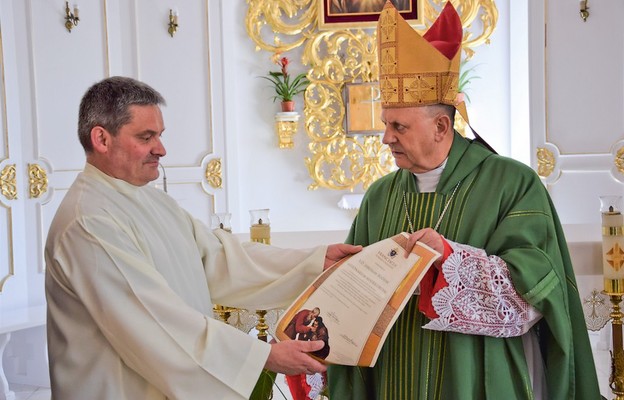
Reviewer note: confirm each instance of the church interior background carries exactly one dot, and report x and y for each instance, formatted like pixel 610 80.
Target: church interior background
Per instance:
pixel 549 91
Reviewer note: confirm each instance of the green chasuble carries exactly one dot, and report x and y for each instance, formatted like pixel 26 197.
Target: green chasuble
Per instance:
pixel 500 206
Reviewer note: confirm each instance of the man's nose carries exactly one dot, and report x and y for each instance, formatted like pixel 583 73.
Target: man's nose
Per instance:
pixel 388 137
pixel 159 149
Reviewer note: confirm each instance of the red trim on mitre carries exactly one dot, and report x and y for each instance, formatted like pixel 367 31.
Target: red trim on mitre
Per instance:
pixel 446 32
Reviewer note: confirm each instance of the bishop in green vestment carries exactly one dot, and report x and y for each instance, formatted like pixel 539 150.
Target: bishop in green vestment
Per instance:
pixel 507 321
pixel 502 207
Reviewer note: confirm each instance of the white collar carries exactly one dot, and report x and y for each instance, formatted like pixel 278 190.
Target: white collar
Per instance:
pixel 428 181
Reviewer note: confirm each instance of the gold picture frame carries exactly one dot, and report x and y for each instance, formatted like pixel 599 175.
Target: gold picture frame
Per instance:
pixel 350 14
pixel 362 109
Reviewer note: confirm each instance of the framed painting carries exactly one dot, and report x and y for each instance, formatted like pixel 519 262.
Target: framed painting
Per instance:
pixel 362 109
pixel 347 14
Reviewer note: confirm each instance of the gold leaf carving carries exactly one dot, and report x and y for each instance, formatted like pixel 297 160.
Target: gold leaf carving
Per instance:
pixel 38 181
pixel 285 131
pixel 213 173
pixel 545 162
pixel 346 162
pixel 8 182
pixel 619 160
pixel 290 23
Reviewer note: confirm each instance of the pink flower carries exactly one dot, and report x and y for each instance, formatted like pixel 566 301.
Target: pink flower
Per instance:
pixel 284 64
pixel 285 87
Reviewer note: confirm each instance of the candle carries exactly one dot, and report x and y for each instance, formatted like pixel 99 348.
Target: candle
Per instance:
pixel 260 230
pixel 612 244
pixel 260 233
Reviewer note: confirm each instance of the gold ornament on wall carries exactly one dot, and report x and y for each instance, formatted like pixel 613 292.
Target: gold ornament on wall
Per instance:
pixel 8 182
pixel 38 181
pixel 286 127
pixel 213 173
pixel 337 57
pixel 172 26
pixel 545 162
pixel 71 18
pixel 619 160
pixel 291 22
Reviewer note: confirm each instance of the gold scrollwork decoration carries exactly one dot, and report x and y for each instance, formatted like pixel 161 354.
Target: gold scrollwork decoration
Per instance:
pixel 342 56
pixel 348 161
pixel 38 181
pixel 213 173
pixel 291 22
pixel 619 160
pixel 545 162
pixel 8 182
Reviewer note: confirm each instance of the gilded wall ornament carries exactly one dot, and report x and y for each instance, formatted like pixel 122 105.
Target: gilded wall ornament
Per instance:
pixel 213 173
pixel 291 22
pixel 545 162
pixel 38 181
pixel 336 57
pixel 619 160
pixel 8 182
pixel 286 130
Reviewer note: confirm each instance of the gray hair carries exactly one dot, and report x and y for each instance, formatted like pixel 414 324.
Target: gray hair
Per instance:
pixel 107 104
pixel 443 109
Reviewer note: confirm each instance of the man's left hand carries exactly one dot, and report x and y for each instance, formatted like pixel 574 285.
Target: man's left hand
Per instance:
pixel 429 237
pixel 338 251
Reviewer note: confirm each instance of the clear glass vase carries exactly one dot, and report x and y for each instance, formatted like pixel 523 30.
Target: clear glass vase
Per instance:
pixel 222 221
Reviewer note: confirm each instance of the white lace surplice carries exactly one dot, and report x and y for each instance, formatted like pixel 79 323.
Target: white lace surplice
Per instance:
pixel 480 298
pixel 316 383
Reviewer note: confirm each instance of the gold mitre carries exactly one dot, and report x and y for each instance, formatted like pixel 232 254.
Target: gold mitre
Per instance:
pixel 419 70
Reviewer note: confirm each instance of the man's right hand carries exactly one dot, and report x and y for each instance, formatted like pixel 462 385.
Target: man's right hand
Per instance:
pixel 290 357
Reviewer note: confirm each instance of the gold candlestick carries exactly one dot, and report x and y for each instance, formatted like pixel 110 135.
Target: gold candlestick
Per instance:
pixel 262 326
pixel 613 269
pixel 616 380
pixel 223 312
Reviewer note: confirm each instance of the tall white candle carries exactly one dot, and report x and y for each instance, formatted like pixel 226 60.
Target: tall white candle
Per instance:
pixel 613 244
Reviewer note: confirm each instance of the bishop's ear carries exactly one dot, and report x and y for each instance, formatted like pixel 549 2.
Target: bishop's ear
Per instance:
pixel 443 125
pixel 100 138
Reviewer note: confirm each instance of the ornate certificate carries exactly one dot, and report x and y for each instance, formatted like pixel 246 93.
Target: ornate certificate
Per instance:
pixel 358 300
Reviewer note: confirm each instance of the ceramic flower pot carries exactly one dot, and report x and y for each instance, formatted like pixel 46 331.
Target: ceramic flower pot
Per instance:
pixel 288 106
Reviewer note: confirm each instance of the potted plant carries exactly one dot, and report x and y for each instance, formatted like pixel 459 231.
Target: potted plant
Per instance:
pixel 286 87
pixel 466 75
